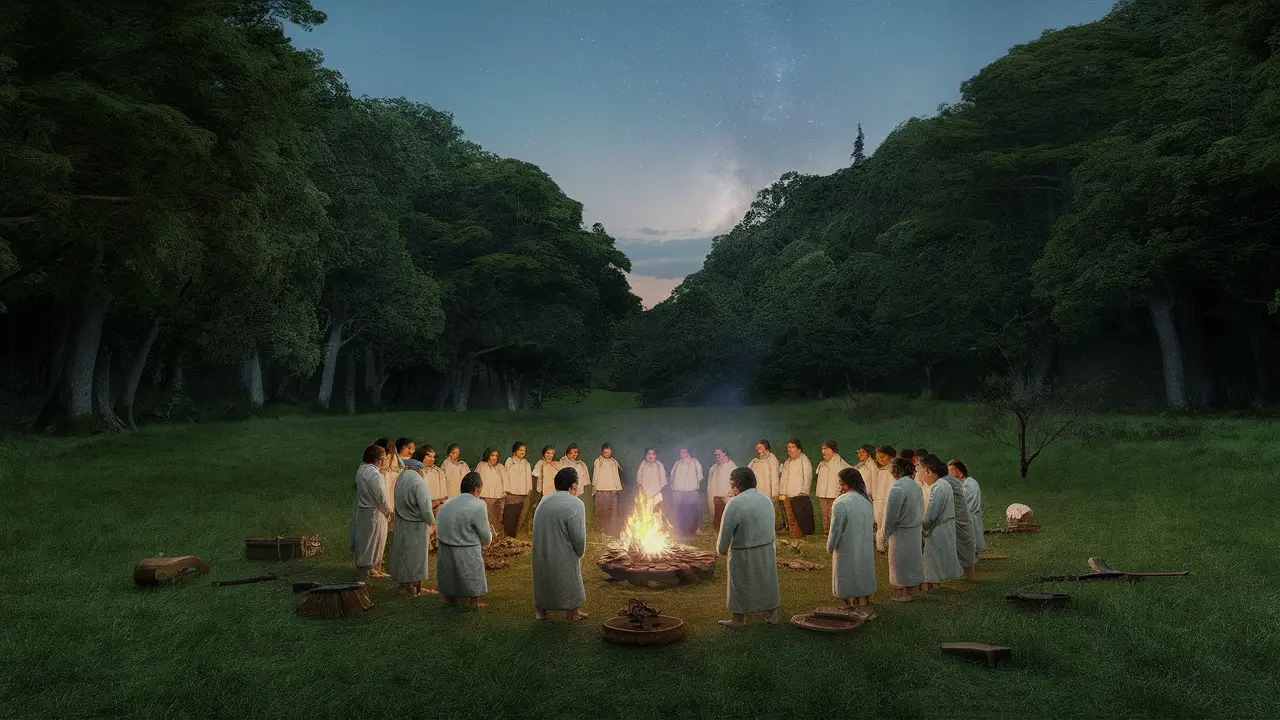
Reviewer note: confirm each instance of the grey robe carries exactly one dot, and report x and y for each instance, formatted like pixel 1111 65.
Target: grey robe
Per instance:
pixel 462 528
pixel 368 536
pixel 965 544
pixel 851 543
pixel 903 513
pixel 973 498
pixel 408 561
pixel 747 537
pixel 559 541
pixel 941 562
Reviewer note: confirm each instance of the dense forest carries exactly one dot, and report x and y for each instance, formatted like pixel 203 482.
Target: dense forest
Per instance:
pixel 197 218
pixel 1101 202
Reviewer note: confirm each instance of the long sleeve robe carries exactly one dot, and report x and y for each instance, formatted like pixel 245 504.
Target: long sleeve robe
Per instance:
pixel 408 561
pixel 796 476
pixel 900 533
pixel 368 536
pixel 767 472
pixel 559 541
pixel 973 498
pixel 462 529
pixel 941 563
pixel 453 474
pixel 686 475
pixel 544 473
pixel 869 472
pixel 519 476
pixel 851 543
pixel 651 477
pixel 584 475
pixel 965 544
pixel 925 493
pixel 829 476
pixel 746 537
pixel 437 484
pixel 607 474
pixel 718 482
pixel 494 479
pixel 879 499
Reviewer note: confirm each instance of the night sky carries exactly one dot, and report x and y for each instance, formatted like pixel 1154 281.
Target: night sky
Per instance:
pixel 665 118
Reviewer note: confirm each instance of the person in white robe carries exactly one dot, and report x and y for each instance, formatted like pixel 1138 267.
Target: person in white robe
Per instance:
pixel 464 530
pixel 718 485
pixel 768 472
pixel 544 472
pixel 965 553
pixel 493 488
pixel 651 476
pixel 454 469
pixel 795 478
pixel 885 455
pixel 369 514
pixel 747 539
pixel 559 542
pixel 424 461
pixel 941 563
pixel 586 491
pixel 973 498
pixel 409 545
pixel 391 467
pixel 686 480
pixel 901 534
pixel 517 511
pixel 608 475
pixel 828 486
pixel 851 542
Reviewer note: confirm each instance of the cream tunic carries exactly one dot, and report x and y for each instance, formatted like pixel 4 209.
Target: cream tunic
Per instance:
pixel 608 475
pixel 584 477
pixel 686 475
pixel 545 472
pixel 879 498
pixel 437 485
pixel 519 476
pixel 796 477
pixel 453 474
pixel 651 477
pixel 494 478
pixel 767 473
pixel 718 482
pixel 559 542
pixel 829 477
pixel 747 538
pixel 870 472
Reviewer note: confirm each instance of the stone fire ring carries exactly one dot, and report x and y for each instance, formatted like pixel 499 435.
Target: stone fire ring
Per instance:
pixel 681 565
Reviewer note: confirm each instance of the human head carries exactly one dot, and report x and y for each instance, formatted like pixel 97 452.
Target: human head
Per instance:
pixel 606 450
pixel 885 455
pixel 373 455
pixel 547 449
pixel 381 442
pixel 902 468
pixel 866 451
pixel 518 450
pixel 405 447
pixel 453 451
pixel 957 469
pixel 829 449
pixel 762 448
pixel 566 479
pixel 471 483
pixel 490 456
pixel 851 481
pixel 684 453
pixel 742 479
pixel 920 452
pixel 427 455
pixel 722 455
pixel 909 455
pixel 793 448
pixel 650 454
pixel 931 466
pixel 571 451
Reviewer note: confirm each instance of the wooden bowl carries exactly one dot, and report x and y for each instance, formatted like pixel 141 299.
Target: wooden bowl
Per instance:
pixel 618 629
pixel 809 621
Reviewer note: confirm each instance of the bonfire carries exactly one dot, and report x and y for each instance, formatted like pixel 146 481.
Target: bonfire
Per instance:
pixel 644 553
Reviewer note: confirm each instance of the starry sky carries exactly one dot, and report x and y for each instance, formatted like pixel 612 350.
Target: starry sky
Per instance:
pixel 664 117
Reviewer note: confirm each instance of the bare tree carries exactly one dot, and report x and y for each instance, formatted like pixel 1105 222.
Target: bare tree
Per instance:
pixel 849 401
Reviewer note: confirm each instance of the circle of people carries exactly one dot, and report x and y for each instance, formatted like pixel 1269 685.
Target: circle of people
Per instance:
pixel 926 516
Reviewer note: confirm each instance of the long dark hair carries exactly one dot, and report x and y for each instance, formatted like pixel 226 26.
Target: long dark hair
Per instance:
pixel 852 479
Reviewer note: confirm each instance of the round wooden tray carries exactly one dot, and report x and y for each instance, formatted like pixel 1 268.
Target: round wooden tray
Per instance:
pixel 618 630
pixel 823 625
pixel 681 565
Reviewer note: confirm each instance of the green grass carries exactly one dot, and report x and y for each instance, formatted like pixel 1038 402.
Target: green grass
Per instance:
pixel 80 640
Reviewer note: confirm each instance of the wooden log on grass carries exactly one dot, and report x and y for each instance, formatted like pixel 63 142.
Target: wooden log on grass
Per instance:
pixel 992 655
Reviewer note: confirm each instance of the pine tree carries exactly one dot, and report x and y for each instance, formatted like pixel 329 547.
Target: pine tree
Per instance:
pixel 858 144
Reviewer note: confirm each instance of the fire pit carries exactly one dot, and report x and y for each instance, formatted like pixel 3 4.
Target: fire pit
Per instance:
pixel 639 624
pixel 646 556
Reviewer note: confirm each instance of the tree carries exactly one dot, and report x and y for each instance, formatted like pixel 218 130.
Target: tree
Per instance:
pixel 859 145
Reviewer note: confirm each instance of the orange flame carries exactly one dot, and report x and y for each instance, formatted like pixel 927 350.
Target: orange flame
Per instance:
pixel 645 534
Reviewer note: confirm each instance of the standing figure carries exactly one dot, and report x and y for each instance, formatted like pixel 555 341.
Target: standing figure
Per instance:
pixel 369 514
pixel 965 552
pixel 941 562
pixel 544 475
pixel 973 498
pixel 410 543
pixel 454 469
pixel 608 487
pixel 796 477
pixel 391 467
pixel 829 480
pixel 718 485
pixel 651 476
pixel 559 542
pixel 586 492
pixel 852 542
pixel 686 479
pixel 424 461
pixel 516 504
pixel 901 535
pixel 747 538
pixel 767 470
pixel 493 488
pixel 885 455
pixel 464 530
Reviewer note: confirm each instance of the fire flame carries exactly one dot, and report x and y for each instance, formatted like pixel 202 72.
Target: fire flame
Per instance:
pixel 645 534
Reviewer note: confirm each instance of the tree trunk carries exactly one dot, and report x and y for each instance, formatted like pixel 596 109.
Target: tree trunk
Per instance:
pixel 1256 334
pixel 1042 362
pixel 49 405
pixel 77 381
pixel 136 369
pixel 1197 373
pixel 337 319
pixel 926 384
pixel 446 388
pixel 510 388
pixel 372 382
pixel 463 389
pixel 1161 309
pixel 104 412
pixel 349 394
pixel 252 376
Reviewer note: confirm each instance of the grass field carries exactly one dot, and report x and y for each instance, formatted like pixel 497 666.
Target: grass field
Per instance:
pixel 1147 494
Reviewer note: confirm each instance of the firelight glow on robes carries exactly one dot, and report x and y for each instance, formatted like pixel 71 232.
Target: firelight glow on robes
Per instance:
pixel 645 535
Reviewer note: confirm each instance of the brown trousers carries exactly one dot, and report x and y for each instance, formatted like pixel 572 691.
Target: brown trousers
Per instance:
pixel 606 502
pixel 717 505
pixel 495 507
pixel 514 505
pixel 826 514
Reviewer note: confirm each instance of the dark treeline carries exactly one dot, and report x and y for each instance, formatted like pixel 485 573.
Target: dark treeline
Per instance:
pixel 195 214
pixel 1103 201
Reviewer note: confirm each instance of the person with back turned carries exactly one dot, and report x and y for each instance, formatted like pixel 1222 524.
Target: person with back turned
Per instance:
pixel 463 530
pixel 559 542
pixel 747 538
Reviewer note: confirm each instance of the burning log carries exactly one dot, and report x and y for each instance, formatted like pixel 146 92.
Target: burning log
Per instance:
pixel 645 553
